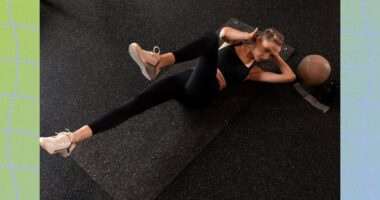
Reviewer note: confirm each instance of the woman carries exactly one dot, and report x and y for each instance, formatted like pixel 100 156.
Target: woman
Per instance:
pixel 216 68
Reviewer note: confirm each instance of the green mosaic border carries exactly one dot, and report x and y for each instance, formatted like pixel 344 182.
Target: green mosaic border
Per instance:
pixel 360 80
pixel 19 99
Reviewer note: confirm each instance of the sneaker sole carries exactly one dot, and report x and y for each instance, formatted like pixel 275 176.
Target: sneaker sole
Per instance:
pixel 135 56
pixel 68 151
pixel 62 152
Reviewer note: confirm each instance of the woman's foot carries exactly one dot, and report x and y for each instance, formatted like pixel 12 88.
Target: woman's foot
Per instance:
pixel 146 60
pixel 62 143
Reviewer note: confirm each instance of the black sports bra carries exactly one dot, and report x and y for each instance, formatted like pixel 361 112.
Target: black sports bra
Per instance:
pixel 231 66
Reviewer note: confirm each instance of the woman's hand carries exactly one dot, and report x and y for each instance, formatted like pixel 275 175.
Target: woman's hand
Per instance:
pixel 286 71
pixel 220 78
pixel 275 54
pixel 253 35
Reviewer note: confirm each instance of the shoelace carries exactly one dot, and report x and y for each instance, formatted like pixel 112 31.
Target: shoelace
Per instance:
pixel 61 139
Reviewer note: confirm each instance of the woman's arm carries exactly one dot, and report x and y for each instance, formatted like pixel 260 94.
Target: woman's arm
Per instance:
pixel 287 75
pixel 231 35
pixel 284 67
pixel 269 77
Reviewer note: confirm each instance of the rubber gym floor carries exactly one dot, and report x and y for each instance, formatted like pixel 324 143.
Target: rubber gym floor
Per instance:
pixel 257 141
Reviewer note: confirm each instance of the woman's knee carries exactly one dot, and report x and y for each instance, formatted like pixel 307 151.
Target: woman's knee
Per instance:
pixel 213 37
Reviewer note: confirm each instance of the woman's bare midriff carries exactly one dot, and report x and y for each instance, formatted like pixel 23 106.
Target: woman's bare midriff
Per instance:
pixel 242 55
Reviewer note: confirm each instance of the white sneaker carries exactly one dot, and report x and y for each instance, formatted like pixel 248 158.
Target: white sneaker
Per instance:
pixel 146 60
pixel 61 143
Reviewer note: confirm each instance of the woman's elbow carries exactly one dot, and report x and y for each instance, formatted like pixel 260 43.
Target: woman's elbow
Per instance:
pixel 222 34
pixel 291 77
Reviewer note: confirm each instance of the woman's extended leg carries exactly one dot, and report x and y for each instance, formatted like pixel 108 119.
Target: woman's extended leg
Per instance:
pixel 197 89
pixel 205 47
pixel 161 91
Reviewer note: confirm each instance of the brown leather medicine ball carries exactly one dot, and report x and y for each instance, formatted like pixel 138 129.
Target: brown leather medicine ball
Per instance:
pixel 314 70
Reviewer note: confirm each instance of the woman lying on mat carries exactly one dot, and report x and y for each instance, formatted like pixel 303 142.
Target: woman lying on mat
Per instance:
pixel 216 69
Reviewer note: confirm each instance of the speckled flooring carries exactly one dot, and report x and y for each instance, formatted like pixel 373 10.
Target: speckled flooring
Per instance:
pixel 258 141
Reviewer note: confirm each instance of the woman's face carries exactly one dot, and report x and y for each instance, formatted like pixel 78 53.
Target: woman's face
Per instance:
pixel 264 49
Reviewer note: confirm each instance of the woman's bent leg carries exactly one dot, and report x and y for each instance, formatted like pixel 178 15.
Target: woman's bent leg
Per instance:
pixel 157 93
pixel 196 48
pixel 202 85
pixel 190 51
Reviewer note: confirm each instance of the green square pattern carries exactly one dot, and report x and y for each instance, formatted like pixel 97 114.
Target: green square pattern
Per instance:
pixel 4 107
pixel 25 116
pixel 19 39
pixel 355 50
pixel 352 89
pixel 376 45
pixel 372 8
pixel 4 18
pixel 6 189
pixel 26 12
pixel 27 188
pixel 355 148
pixel 29 45
pixel 28 83
pixel 3 149
pixel 350 114
pixel 7 43
pixel 23 148
pixel 360 152
pixel 7 77
pixel 353 18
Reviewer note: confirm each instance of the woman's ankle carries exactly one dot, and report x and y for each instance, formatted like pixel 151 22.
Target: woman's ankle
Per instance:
pixel 81 134
pixel 166 59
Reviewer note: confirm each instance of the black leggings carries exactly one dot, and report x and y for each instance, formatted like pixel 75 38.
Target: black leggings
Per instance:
pixel 195 88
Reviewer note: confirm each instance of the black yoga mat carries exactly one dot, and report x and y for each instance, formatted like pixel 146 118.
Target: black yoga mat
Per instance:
pixel 139 158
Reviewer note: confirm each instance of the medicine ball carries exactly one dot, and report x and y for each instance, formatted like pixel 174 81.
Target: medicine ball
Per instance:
pixel 313 70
